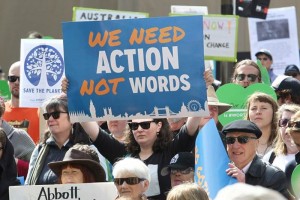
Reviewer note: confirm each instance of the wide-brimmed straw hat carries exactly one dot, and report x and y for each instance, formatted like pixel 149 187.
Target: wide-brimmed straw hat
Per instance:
pixel 74 156
pixel 214 101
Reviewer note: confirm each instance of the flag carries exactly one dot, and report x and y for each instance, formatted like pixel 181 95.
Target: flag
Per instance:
pixel 211 160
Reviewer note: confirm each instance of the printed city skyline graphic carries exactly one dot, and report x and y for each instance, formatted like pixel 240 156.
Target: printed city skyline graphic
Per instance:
pixel 193 108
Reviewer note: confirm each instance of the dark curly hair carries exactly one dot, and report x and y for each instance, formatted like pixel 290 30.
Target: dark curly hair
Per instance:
pixel 164 137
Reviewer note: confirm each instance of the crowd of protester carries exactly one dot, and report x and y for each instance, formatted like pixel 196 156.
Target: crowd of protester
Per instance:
pixel 155 158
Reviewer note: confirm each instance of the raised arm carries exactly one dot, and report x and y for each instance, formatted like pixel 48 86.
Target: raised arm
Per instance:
pixel 192 125
pixel 91 128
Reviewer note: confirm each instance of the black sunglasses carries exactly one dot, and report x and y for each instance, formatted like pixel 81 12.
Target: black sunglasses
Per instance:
pixel 283 122
pixel 295 124
pixel 129 180
pixel 13 79
pixel 240 139
pixel 55 115
pixel 250 77
pixel 134 125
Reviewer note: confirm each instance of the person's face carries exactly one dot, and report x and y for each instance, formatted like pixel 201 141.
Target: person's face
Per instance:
pixel 60 125
pixel 285 136
pixel 146 136
pixel 247 70
pixel 71 175
pixel 242 154
pixel 131 191
pixel 117 126
pixel 265 61
pixel 14 86
pixel 213 114
pixel 260 113
pixel 181 176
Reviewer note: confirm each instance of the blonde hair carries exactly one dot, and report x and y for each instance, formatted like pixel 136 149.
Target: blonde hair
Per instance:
pixel 187 191
pixel 280 147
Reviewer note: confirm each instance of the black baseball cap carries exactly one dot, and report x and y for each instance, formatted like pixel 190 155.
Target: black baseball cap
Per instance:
pixel 244 126
pixel 283 82
pixel 182 160
pixel 291 69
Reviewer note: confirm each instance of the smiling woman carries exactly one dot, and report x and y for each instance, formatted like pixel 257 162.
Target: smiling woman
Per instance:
pixel 59 138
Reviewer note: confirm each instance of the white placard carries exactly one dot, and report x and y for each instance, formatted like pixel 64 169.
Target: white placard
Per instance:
pixel 93 14
pixel 194 10
pixel 278 33
pixel 85 191
pixel 42 69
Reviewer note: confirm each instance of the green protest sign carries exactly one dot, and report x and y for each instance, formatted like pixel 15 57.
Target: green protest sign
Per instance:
pixel 4 90
pixel 264 73
pixel 237 96
pixel 296 181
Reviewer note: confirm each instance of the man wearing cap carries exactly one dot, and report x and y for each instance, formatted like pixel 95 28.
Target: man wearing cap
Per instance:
pixel 241 137
pixel 266 59
pixel 181 168
pixel 293 71
pixel 287 90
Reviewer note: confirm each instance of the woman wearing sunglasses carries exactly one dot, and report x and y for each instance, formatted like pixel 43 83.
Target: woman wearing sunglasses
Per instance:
pixel 60 136
pixel 284 148
pixel 246 72
pixel 131 178
pixel 151 141
pixel 294 130
pixel 262 110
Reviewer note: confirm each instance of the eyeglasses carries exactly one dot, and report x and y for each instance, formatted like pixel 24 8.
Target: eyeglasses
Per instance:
pixel 240 139
pixel 295 124
pixel 13 79
pixel 283 122
pixel 134 125
pixel 185 171
pixel 250 77
pixel 129 180
pixel 263 59
pixel 55 115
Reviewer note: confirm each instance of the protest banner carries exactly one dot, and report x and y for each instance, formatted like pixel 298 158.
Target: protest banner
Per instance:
pixel 93 14
pixel 85 191
pixel 237 96
pixel 220 33
pixel 141 68
pixel 211 160
pixel 42 69
pixel 277 33
pixel 4 90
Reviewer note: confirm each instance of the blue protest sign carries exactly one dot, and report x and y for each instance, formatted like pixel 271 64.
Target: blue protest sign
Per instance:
pixel 211 160
pixel 137 68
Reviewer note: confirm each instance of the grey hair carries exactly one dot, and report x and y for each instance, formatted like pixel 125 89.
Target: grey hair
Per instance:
pixel 131 166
